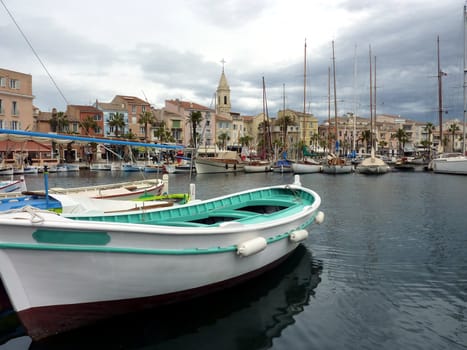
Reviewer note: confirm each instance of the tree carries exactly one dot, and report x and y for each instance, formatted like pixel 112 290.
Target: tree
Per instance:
pixel 365 137
pixel 245 140
pixel 402 138
pixel 453 128
pixel 222 140
pixel 284 121
pixel 145 119
pixel 162 134
pixel 117 121
pixel 429 128
pixel 194 120
pixel 58 122
pixel 88 124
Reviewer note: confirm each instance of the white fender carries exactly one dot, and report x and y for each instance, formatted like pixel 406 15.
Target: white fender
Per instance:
pixel 319 218
pixel 252 246
pixel 298 236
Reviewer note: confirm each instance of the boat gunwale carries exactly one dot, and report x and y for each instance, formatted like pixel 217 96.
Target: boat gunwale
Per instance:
pixel 81 223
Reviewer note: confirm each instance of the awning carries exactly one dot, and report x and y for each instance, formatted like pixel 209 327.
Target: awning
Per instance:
pixel 21 136
pixel 26 146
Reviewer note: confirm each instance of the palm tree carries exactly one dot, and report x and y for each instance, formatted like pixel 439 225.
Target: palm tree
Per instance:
pixel 58 122
pixel 402 138
pixel 245 140
pixel 117 121
pixel 429 128
pixel 145 119
pixel 222 140
pixel 284 121
pixel 194 120
pixel 88 124
pixel 162 134
pixel 453 128
pixel 365 137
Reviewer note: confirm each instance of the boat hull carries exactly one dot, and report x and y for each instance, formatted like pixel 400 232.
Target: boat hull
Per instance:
pixel 303 168
pixel 257 168
pixel 212 166
pixel 12 186
pixel 61 273
pixel 450 165
pixel 337 169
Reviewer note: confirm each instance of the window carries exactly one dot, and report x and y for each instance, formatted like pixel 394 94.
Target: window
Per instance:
pixel 143 109
pixel 133 109
pixel 2 124
pixel 97 117
pixel 14 108
pixel 176 124
pixel 2 109
pixel 14 125
pixel 14 84
pixel 225 100
pixel 2 81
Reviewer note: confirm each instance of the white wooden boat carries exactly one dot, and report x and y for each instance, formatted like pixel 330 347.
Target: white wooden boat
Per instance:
pixel 306 167
pixel 335 169
pixel 6 170
pixel 62 273
pixel 8 186
pixel 258 166
pixel 372 165
pixel 225 162
pixel 122 190
pixel 100 167
pixel 28 169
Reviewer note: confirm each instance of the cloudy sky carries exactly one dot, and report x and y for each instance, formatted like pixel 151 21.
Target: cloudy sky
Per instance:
pixel 159 50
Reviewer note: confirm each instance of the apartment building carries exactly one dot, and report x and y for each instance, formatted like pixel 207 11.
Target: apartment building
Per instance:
pixel 16 108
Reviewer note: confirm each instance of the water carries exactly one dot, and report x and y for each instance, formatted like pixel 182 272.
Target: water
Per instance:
pixel 386 270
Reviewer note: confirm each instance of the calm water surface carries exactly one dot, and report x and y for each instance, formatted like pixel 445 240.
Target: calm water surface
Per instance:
pixel 386 270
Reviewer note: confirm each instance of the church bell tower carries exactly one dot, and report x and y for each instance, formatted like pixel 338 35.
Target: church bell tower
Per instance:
pixel 223 106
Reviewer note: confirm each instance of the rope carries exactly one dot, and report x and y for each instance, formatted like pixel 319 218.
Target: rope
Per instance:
pixel 34 212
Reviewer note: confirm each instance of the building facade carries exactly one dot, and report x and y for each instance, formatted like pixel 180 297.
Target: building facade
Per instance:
pixel 16 101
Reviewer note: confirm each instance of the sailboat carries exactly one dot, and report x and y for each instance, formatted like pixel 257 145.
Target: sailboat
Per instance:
pixel 263 164
pixel 372 165
pixel 455 163
pixel 335 164
pixel 305 166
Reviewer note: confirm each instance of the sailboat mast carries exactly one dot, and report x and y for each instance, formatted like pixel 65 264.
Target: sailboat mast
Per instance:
pixel 440 99
pixel 465 78
pixel 304 97
pixel 335 97
pixel 371 99
pixel 355 98
pixel 267 147
pixel 329 108
pixel 374 106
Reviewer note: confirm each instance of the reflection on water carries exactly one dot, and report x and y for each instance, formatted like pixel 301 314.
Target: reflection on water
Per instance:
pixel 244 317
pixel 390 260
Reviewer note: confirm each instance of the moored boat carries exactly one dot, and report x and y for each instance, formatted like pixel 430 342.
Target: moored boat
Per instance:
pixel 122 190
pixel 224 162
pixel 258 166
pixel 306 167
pixel 9 186
pixel 62 273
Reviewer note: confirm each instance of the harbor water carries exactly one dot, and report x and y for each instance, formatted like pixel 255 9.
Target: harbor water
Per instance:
pixel 386 270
